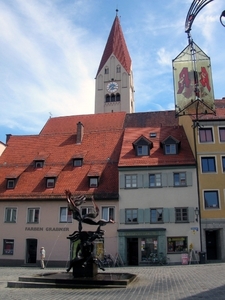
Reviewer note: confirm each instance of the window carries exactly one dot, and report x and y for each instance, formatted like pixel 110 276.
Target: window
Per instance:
pixel 65 215
pixel 118 69
pixel 8 247
pixel 10 215
pixel 117 97
pixel 222 134
pixel 33 215
pixel 77 162
pixel 107 98
pixel 170 149
pixel 86 210
pixel 108 213
pixel 179 179
pixel 155 180
pixel 181 214
pixel 223 163
pixel 93 181
pixel 11 183
pixel 142 150
pixel 177 244
pixel 131 215
pixel 50 183
pixel 208 164
pixel 205 135
pixel 156 215
pixel 131 181
pixel 211 199
pixel 39 164
pixel 106 70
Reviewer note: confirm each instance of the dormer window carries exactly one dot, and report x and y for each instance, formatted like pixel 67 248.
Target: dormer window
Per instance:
pixel 77 162
pixel 93 182
pixel 11 183
pixel 142 146
pixel 50 183
pixel 170 146
pixel 39 164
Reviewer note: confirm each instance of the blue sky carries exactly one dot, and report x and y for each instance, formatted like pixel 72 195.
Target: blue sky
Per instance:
pixel 50 51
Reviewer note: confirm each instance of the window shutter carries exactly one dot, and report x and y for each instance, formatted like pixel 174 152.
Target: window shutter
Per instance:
pixel 140 216
pixel 164 179
pixel 146 180
pixel 122 181
pixel 147 215
pixel 166 216
pixel 140 181
pixel 189 178
pixel 172 215
pixel 170 179
pixel 191 214
pixel 122 216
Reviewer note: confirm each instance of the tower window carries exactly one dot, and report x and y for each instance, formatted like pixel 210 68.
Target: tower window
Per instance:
pixel 106 70
pixel 117 97
pixel 118 69
pixel 112 98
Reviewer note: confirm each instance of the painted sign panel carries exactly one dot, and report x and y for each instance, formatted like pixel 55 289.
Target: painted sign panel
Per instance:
pixel 193 82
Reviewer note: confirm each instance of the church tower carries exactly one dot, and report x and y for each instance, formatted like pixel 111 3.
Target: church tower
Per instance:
pixel 114 89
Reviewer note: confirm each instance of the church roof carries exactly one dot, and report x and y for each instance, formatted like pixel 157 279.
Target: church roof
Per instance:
pixel 116 45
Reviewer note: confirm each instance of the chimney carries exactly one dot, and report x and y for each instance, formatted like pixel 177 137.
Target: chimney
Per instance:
pixel 8 135
pixel 80 132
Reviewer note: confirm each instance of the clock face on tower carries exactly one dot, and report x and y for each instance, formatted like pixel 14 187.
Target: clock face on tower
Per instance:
pixel 112 87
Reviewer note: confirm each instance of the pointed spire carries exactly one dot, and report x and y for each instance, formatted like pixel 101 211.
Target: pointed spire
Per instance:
pixel 116 45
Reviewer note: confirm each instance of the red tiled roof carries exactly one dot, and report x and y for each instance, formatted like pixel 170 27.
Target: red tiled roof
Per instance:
pixel 116 45
pixel 128 157
pixel 220 112
pixel 101 140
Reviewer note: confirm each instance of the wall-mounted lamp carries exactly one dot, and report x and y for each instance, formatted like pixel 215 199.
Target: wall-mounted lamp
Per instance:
pixel 196 214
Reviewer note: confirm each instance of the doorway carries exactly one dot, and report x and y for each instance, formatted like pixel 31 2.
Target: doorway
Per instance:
pixel 132 251
pixel 211 244
pixel 31 254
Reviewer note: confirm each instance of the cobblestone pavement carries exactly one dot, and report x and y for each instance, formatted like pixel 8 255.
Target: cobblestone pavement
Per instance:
pixel 185 282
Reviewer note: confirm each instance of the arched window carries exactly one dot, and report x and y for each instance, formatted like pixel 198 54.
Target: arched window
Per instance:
pixel 118 69
pixel 106 70
pixel 117 97
pixel 113 98
pixel 107 98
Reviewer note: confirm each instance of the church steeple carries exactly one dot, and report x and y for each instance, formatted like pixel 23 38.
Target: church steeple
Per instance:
pixel 114 79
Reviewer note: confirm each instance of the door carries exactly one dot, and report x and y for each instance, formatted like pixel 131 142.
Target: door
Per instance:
pixel 31 255
pixel 132 251
pixel 211 244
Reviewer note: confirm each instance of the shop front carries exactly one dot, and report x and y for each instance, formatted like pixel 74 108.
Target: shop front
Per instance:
pixel 136 246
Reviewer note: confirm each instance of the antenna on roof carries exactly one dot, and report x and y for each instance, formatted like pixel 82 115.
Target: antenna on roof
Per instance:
pixel 50 115
pixel 117 11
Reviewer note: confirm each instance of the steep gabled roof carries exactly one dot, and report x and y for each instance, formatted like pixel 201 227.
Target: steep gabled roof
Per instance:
pixel 157 158
pixel 116 45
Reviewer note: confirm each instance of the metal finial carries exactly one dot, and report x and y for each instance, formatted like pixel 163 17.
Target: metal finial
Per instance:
pixel 117 11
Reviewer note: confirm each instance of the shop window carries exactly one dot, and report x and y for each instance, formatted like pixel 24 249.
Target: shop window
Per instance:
pixel 222 134
pixel 108 213
pixel 156 215
pixel 131 216
pixel 149 246
pixel 130 181
pixel 179 179
pixel 211 199
pixel 10 215
pixel 208 164
pixel 205 135
pixel 11 183
pixel 8 247
pixel 155 180
pixel 177 244
pixel 33 215
pixel 181 214
pixel 65 215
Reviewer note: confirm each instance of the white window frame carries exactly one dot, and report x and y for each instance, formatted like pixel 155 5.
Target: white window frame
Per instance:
pixel 132 217
pixel 158 211
pixel 207 157
pixel 206 142
pixel 12 213
pixel 31 212
pixel 93 182
pixel 50 183
pixel 65 215
pixel 157 180
pixel 220 127
pixel 131 181
pixel 108 213
pixel 142 150
pixel 223 169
